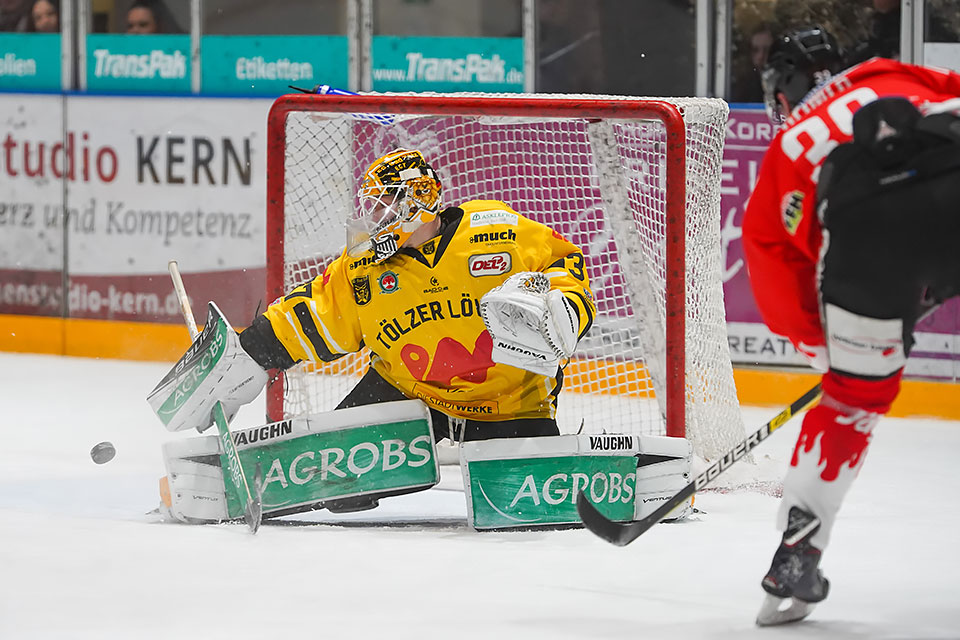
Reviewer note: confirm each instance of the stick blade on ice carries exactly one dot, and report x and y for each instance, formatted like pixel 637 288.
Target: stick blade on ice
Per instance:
pixel 617 533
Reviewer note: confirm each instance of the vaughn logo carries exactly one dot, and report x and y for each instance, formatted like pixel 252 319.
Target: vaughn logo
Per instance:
pixel 490 264
pixel 156 64
pixel 264 433
pixel 611 443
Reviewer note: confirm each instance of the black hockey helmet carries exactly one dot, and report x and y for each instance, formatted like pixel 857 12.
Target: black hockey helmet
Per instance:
pixel 799 60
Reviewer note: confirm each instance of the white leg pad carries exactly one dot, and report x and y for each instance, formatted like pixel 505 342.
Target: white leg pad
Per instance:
pixel 665 468
pixel 194 483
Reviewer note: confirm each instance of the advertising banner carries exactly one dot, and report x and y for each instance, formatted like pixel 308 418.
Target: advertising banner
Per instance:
pixel 146 181
pixel 34 167
pixel 30 61
pixel 268 65
pixel 443 64
pixel 121 63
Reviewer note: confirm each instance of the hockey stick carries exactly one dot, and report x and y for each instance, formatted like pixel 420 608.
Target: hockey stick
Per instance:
pixel 623 533
pixel 253 507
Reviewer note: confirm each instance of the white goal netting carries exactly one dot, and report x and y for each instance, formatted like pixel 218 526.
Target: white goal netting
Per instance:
pixel 602 182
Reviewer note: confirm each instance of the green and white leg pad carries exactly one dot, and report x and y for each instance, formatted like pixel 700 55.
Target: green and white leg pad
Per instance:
pixel 378 450
pixel 534 482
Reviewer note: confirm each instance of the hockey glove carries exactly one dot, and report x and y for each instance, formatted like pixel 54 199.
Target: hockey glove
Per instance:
pixel 532 327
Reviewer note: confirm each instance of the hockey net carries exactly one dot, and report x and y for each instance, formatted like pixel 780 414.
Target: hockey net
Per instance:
pixel 634 182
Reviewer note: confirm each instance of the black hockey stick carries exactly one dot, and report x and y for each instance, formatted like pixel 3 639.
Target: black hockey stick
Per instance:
pixel 623 533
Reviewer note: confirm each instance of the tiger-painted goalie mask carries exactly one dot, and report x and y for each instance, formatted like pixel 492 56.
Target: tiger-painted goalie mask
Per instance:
pixel 399 194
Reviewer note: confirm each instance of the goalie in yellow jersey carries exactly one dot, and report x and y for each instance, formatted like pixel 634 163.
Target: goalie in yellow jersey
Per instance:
pixel 470 308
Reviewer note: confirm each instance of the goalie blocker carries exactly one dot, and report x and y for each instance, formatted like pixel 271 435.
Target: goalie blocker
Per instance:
pixel 214 368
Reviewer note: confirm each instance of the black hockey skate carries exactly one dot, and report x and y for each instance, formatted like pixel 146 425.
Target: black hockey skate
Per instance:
pixel 794 577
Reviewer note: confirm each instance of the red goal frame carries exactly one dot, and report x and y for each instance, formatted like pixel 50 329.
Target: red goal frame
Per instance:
pixel 547 107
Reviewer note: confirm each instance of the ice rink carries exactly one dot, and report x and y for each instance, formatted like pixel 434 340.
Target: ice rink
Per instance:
pixel 81 557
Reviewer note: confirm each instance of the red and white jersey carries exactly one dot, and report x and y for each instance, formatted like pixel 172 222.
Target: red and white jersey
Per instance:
pixel 781 231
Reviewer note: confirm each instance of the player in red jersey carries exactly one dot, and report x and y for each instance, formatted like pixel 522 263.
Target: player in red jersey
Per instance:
pixel 837 268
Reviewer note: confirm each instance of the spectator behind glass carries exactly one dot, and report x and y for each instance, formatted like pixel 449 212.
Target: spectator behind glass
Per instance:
pixel 746 85
pixel 14 15
pixel 884 39
pixel 149 17
pixel 44 16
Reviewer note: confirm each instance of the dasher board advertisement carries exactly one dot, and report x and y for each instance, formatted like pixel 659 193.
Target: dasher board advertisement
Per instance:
pixel 145 181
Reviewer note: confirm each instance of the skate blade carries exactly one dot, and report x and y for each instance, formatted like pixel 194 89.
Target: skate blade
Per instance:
pixel 772 611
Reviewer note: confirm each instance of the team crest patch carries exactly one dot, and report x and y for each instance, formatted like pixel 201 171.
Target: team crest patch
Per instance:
pixel 361 290
pixel 429 248
pixel 388 282
pixel 792 207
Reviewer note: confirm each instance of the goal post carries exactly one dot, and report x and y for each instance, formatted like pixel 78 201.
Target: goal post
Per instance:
pixel 634 182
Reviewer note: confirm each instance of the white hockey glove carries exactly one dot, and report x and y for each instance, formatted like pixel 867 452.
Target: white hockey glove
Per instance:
pixel 532 327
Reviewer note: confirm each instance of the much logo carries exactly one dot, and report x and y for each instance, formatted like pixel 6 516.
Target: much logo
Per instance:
pixel 494 236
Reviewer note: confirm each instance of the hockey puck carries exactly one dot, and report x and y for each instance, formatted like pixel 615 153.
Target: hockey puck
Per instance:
pixel 103 452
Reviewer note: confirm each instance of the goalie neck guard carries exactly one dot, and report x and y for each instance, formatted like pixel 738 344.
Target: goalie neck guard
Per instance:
pixel 400 193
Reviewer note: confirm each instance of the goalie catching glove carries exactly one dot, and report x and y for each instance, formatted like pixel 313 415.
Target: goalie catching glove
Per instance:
pixel 532 326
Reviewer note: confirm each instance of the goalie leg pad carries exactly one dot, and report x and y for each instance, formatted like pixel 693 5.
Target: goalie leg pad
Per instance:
pixel 335 459
pixel 663 469
pixel 193 489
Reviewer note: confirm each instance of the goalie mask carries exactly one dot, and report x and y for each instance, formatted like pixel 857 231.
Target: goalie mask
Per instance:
pixel 399 194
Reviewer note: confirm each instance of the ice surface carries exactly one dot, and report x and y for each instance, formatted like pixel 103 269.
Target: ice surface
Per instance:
pixel 80 557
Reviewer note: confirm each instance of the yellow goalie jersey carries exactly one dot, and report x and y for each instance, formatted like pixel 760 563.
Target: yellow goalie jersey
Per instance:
pixel 418 312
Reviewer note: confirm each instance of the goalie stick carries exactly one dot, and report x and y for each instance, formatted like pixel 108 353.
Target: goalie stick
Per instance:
pixel 253 506
pixel 623 533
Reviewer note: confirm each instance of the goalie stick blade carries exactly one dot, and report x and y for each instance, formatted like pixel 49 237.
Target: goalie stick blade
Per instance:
pixel 773 613
pixel 618 533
